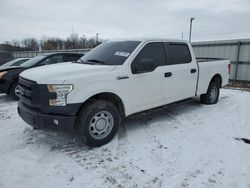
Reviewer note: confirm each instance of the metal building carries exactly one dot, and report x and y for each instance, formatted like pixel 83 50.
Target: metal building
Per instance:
pixel 5 57
pixel 237 51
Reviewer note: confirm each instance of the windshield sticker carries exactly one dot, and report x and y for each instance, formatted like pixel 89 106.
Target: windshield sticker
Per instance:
pixel 124 54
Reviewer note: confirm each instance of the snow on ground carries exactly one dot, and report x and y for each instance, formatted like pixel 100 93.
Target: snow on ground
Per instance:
pixel 182 145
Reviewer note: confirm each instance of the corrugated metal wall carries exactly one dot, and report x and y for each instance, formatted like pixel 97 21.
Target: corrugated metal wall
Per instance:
pixel 237 51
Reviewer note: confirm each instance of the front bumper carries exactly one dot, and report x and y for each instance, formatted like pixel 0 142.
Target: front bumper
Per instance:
pixel 40 120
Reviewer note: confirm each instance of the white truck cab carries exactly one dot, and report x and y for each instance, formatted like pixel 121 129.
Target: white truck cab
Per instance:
pixel 114 80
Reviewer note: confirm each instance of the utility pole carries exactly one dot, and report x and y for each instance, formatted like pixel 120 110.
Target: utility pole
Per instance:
pixel 190 32
pixel 97 34
pixel 181 35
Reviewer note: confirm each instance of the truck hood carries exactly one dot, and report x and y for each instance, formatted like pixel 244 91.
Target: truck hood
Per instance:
pixel 57 73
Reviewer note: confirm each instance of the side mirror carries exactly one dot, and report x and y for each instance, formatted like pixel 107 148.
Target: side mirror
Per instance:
pixel 143 65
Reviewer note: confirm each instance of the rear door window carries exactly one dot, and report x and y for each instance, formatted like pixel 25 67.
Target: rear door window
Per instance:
pixel 178 53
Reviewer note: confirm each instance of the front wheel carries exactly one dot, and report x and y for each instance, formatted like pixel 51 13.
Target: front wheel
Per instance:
pixel 97 123
pixel 212 95
pixel 14 91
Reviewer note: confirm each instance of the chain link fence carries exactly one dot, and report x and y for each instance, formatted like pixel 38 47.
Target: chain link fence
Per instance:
pixel 31 54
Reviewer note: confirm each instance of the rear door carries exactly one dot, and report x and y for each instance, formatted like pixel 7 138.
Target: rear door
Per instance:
pixel 182 73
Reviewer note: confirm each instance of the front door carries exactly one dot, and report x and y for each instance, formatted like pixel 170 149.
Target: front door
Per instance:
pixel 145 87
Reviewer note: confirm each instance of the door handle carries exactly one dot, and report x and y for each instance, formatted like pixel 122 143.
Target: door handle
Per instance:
pixel 193 71
pixel 168 74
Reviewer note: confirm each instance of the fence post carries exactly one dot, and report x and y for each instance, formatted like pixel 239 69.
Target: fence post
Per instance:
pixel 237 61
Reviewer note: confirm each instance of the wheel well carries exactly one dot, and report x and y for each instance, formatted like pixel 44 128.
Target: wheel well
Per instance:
pixel 10 85
pixel 111 97
pixel 217 78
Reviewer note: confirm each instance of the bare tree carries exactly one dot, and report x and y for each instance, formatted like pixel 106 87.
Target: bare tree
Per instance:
pixel 90 43
pixel 72 41
pixel 82 42
pixel 15 42
pixel 30 43
pixel 51 43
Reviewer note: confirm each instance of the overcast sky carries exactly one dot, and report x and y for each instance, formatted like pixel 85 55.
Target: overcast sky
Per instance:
pixel 214 19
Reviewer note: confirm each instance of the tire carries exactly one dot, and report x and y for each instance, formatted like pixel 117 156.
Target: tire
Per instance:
pixel 13 91
pixel 212 95
pixel 97 123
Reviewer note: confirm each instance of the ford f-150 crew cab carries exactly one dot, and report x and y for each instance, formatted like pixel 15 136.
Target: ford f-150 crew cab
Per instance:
pixel 114 80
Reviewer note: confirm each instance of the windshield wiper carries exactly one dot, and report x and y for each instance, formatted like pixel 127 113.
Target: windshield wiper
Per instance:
pixel 97 61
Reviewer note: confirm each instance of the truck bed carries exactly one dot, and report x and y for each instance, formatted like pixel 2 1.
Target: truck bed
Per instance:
pixel 208 67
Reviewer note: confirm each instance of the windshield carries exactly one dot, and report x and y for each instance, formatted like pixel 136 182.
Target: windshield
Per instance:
pixel 10 62
pixel 19 62
pixel 33 61
pixel 110 53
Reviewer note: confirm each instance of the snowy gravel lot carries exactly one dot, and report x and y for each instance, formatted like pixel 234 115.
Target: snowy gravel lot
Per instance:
pixel 182 145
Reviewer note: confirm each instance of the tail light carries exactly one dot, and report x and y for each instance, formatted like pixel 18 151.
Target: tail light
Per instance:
pixel 229 68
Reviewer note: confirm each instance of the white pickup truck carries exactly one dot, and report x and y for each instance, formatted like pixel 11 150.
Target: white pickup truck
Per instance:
pixel 114 80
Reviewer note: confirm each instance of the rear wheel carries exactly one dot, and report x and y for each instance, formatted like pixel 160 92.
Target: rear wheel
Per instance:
pixel 14 91
pixel 212 95
pixel 97 123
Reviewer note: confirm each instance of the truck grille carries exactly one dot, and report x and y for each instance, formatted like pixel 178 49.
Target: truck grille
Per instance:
pixel 25 87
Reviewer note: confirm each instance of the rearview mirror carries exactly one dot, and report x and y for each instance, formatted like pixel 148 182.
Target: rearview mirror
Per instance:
pixel 143 65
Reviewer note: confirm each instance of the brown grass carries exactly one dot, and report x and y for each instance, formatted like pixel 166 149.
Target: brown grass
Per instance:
pixel 242 85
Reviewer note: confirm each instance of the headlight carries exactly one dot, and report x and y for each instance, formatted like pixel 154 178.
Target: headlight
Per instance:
pixel 61 92
pixel 2 74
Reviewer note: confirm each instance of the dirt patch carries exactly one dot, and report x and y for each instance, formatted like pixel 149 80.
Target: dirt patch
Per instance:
pixel 241 85
pixel 247 141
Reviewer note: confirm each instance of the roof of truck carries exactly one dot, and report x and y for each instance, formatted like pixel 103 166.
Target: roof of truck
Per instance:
pixel 150 39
